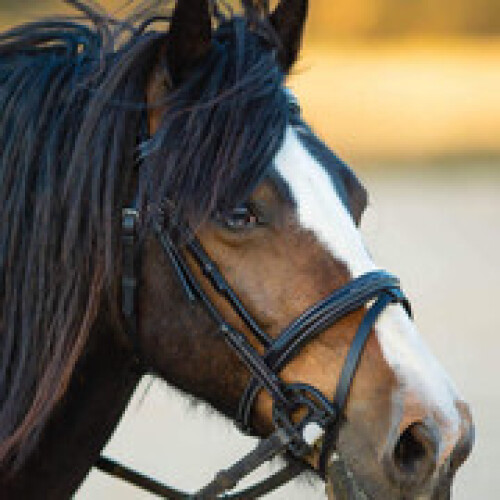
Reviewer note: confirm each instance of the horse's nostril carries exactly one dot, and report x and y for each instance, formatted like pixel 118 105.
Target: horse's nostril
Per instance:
pixel 465 443
pixel 409 452
pixel 414 458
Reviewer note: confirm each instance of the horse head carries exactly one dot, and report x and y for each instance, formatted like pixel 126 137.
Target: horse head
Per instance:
pixel 278 214
pixel 237 271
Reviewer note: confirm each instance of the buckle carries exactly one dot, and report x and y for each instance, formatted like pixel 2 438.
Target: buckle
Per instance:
pixel 130 217
pixel 320 414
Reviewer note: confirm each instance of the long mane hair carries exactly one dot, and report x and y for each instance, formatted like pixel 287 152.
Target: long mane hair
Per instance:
pixel 72 95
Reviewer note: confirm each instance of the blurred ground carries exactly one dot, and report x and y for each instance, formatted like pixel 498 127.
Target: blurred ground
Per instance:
pixel 440 234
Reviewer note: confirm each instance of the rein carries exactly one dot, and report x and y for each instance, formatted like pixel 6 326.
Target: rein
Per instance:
pixel 321 416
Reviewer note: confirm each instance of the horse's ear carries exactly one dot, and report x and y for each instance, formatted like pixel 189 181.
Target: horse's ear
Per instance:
pixel 189 38
pixel 288 20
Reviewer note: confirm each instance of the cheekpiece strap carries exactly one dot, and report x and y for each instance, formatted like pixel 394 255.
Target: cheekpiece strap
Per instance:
pixel 129 281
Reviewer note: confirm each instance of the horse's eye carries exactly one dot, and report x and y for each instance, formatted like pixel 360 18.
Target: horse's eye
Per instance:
pixel 242 217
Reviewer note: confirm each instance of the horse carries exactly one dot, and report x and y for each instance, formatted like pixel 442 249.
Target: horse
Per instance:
pixel 167 210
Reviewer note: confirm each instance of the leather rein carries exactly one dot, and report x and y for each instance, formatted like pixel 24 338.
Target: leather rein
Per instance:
pixel 321 417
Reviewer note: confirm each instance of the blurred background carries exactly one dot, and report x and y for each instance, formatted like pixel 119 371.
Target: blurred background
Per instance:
pixel 387 80
pixel 408 92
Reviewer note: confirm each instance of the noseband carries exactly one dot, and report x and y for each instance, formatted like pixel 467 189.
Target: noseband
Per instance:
pixel 320 416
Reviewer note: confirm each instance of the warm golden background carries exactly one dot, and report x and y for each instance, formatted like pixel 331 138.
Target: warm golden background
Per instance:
pixel 408 91
pixel 401 80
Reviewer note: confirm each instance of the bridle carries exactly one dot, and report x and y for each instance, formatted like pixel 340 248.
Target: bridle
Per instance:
pixel 320 418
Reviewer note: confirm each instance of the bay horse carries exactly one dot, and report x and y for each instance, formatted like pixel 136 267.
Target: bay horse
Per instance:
pixel 166 210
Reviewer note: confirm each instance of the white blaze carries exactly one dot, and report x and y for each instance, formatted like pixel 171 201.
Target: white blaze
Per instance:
pixel 320 210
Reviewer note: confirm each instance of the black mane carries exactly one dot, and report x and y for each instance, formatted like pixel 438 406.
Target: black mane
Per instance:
pixel 223 128
pixel 72 95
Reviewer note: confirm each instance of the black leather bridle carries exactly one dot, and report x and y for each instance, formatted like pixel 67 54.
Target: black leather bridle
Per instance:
pixel 320 416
